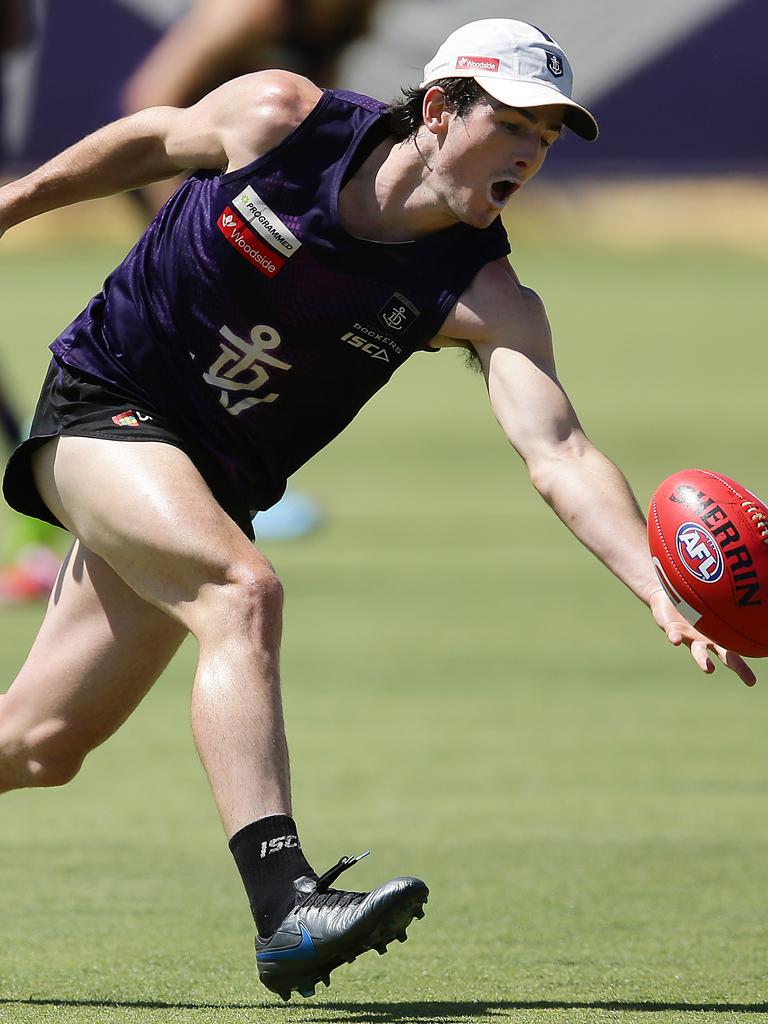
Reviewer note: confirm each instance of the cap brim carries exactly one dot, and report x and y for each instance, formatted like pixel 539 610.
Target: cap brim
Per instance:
pixel 532 94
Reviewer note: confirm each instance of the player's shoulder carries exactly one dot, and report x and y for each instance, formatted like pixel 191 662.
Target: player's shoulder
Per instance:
pixel 282 96
pixel 494 299
pixel 262 109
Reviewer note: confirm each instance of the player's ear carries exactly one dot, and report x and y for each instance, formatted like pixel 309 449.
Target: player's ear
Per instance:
pixel 435 110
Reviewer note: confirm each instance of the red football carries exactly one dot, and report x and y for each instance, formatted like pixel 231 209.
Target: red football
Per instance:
pixel 708 537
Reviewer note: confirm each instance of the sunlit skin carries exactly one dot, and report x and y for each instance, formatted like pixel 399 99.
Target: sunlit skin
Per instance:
pixel 468 158
pixel 452 172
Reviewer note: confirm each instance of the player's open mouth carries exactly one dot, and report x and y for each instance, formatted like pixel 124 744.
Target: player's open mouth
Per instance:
pixel 501 190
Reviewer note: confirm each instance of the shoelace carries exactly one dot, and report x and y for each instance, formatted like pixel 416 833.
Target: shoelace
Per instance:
pixel 322 893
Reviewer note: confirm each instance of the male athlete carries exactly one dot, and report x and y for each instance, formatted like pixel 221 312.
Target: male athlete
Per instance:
pixel 321 240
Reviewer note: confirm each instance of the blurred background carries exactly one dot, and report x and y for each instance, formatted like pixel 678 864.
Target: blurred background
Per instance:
pixel 455 665
pixel 678 87
pixel 679 90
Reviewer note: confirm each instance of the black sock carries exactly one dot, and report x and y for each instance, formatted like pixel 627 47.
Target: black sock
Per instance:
pixel 269 857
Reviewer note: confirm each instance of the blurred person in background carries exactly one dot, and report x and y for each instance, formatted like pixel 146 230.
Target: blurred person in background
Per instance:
pixel 217 40
pixel 29 562
pixel 321 240
pixel 12 33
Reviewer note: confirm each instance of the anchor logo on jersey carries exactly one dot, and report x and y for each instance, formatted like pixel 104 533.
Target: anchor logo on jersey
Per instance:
pixel 399 313
pixel 239 368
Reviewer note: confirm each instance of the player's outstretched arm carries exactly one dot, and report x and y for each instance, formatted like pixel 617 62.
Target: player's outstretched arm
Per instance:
pixel 123 155
pixel 227 129
pixel 508 328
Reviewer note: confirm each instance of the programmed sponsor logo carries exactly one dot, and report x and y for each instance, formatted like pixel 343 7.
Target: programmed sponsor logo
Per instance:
pixel 266 222
pixel 240 237
pixel 699 552
pixel 465 63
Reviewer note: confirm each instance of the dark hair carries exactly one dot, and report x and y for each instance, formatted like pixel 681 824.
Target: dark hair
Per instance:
pixel 405 115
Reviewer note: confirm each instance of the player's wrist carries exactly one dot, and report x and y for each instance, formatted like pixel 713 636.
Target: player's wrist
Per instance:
pixel 655 594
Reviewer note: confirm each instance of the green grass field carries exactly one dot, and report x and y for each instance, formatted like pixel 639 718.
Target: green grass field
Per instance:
pixel 468 693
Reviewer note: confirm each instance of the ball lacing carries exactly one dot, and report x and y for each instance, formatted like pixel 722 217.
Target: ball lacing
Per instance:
pixel 758 518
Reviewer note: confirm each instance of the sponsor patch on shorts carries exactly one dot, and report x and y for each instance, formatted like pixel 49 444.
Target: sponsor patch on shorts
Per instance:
pixel 240 237
pixel 131 418
pixel 126 419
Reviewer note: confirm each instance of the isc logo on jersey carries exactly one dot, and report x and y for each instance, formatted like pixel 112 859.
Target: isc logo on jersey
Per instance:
pixel 374 351
pixel 256 212
pixel 699 552
pixel 240 237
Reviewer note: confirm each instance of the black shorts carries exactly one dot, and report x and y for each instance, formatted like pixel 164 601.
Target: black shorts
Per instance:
pixel 75 404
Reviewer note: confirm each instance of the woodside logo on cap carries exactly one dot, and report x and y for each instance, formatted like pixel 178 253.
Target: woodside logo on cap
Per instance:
pixel 477 63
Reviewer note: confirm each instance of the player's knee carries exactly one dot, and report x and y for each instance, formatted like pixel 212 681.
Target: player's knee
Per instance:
pixel 53 770
pixel 259 594
pixel 249 603
pixel 48 754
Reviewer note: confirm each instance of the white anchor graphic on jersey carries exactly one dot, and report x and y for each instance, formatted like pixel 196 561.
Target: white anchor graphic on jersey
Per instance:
pixel 245 358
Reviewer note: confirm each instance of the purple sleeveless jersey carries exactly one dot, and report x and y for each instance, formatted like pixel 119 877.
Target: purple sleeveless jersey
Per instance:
pixel 248 316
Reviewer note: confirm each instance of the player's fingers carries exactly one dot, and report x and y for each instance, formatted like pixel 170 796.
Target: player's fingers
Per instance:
pixel 699 648
pixel 700 654
pixel 736 664
pixel 674 635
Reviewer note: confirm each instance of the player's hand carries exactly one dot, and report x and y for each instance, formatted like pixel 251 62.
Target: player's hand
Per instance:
pixel 679 631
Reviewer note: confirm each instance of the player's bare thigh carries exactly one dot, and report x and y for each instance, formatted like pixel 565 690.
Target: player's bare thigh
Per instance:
pixel 147 511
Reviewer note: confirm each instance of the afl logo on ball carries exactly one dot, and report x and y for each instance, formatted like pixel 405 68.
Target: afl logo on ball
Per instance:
pixel 699 552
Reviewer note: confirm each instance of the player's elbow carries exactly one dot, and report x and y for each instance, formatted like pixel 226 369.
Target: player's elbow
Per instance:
pixel 532 301
pixel 148 141
pixel 550 465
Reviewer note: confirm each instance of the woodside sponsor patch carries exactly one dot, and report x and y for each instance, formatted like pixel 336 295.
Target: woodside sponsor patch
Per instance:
pixel 240 237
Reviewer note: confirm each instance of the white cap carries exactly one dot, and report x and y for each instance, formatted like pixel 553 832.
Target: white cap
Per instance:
pixel 516 63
